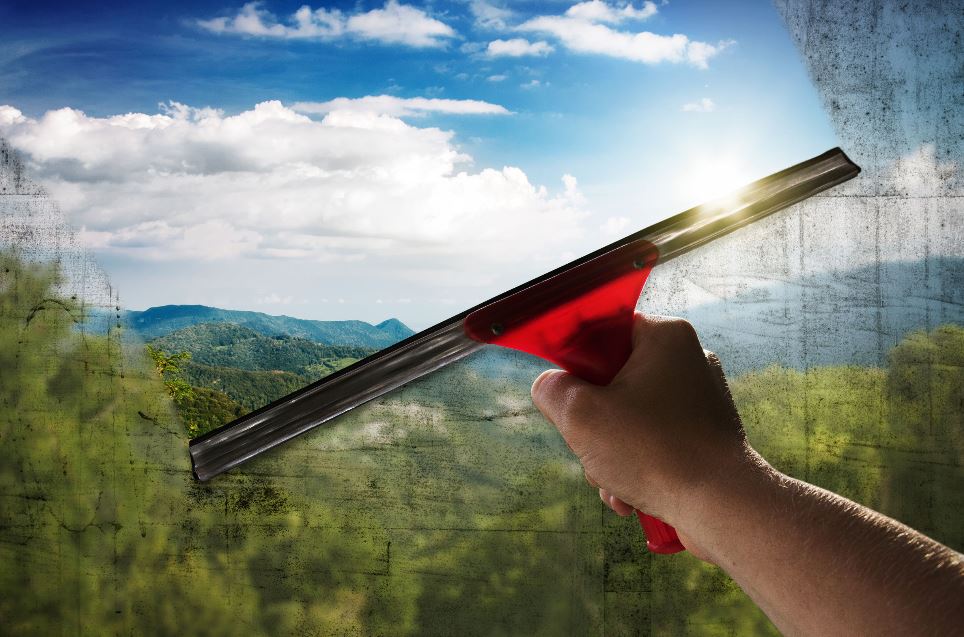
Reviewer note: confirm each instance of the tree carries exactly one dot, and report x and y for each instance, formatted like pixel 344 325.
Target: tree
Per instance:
pixel 169 366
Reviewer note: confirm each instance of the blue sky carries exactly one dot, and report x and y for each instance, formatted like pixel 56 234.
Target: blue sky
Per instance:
pixel 503 140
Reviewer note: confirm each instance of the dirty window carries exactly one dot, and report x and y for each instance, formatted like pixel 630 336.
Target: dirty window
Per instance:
pixel 168 269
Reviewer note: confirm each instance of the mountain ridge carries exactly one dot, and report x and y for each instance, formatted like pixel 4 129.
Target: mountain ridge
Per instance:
pixel 223 344
pixel 848 317
pixel 162 320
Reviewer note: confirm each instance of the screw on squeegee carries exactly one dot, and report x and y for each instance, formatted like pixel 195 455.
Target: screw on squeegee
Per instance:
pixel 497 329
pixel 639 263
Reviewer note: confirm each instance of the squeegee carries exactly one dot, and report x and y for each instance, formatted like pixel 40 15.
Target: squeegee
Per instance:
pixel 578 316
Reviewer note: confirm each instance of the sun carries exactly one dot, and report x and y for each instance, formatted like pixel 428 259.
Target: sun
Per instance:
pixel 709 177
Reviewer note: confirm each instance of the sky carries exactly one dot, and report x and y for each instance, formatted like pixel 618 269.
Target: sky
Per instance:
pixel 376 159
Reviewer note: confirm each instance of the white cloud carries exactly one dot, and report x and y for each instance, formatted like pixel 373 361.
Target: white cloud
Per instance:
pixel 497 78
pixel 272 183
pixel 584 28
pixel 705 105
pixel 489 16
pixel 615 226
pixel 598 11
pixel 517 47
pixel 400 107
pixel 533 84
pixel 395 23
pixel 9 116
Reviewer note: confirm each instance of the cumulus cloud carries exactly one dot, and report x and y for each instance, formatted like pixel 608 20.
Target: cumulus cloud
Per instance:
pixel 400 107
pixel 705 105
pixel 517 47
pixel 10 115
pixel 489 16
pixel 599 11
pixel 273 183
pixel 395 23
pixel 587 27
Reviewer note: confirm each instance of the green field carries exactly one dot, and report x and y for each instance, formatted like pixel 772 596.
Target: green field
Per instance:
pixel 447 508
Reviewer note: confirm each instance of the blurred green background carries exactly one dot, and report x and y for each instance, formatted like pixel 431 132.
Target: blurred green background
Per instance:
pixel 447 508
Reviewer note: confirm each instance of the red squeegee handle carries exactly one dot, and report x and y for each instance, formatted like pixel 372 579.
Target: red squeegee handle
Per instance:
pixel 581 320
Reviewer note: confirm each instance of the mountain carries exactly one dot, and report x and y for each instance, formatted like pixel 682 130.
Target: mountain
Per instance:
pixel 840 317
pixel 396 328
pixel 237 369
pixel 240 347
pixel 160 321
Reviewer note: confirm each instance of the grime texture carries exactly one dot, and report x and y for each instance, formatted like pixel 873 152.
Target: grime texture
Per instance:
pixel 449 507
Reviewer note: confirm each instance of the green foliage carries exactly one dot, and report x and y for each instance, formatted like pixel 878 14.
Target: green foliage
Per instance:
pixel 892 439
pixel 925 433
pixel 168 363
pixel 199 412
pixel 226 345
pixel 824 425
pixel 170 367
pixel 223 371
pixel 249 389
pixel 449 507
pixel 102 530
pixel 204 409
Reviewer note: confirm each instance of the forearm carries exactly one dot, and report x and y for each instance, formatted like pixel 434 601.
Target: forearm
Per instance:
pixel 664 437
pixel 819 564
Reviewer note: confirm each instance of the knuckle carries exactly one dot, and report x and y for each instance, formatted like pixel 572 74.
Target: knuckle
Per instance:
pixel 680 326
pixel 680 331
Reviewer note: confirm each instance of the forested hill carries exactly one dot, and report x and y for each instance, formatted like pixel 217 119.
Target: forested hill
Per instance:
pixel 240 347
pixel 234 369
pixel 160 321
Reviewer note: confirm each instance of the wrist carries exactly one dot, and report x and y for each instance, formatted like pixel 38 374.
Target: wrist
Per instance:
pixel 716 510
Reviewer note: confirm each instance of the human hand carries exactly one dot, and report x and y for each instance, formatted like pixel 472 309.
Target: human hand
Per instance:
pixel 665 438
pixel 662 430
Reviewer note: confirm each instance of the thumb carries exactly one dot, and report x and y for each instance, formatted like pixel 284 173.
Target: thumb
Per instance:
pixel 716 370
pixel 719 379
pixel 563 399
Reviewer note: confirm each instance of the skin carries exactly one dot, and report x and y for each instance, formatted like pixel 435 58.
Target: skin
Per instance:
pixel 665 438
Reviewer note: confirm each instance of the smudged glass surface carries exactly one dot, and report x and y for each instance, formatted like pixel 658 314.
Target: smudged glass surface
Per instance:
pixel 450 507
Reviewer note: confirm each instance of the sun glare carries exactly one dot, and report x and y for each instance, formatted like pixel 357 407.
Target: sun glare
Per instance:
pixel 707 178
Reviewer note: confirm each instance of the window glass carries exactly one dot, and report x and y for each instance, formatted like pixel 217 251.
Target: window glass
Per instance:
pixel 319 183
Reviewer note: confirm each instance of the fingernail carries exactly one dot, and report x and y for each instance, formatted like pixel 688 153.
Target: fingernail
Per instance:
pixel 539 380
